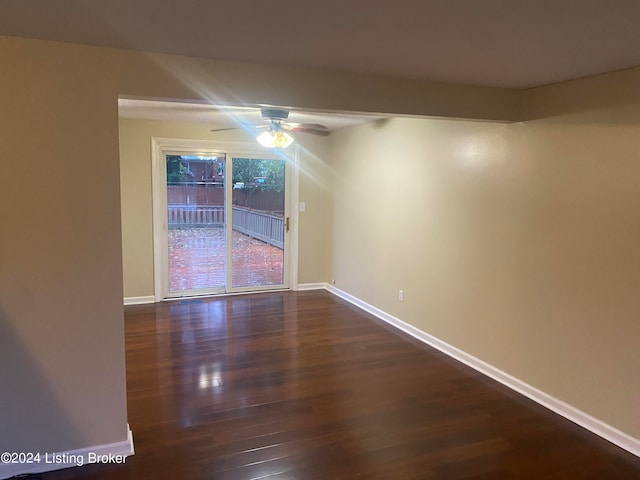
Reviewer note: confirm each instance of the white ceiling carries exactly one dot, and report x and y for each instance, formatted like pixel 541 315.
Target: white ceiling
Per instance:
pixel 509 43
pixel 228 117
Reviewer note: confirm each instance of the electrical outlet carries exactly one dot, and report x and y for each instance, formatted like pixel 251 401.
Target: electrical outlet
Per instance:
pixel 333 281
pixel 303 206
pixel 401 295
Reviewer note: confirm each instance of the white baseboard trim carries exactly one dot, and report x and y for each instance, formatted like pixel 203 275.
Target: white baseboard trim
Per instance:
pixel 311 286
pixel 139 300
pixel 73 458
pixel 594 425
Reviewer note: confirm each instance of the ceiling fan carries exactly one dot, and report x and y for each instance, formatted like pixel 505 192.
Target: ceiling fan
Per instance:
pixel 277 126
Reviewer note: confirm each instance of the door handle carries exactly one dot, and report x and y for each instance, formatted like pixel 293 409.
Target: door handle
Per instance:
pixel 286 225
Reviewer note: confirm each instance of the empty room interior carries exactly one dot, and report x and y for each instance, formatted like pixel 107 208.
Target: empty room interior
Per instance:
pixel 431 272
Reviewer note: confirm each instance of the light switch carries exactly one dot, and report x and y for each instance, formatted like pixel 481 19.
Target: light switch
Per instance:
pixel 303 206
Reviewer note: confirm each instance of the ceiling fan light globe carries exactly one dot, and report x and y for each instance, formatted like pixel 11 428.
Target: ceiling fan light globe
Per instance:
pixel 274 139
pixel 283 140
pixel 265 139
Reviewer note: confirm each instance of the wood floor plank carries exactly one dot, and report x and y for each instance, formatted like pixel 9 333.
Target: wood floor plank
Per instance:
pixel 303 386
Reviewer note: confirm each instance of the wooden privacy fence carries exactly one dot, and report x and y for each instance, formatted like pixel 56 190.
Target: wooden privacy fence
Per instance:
pixel 212 194
pixel 264 226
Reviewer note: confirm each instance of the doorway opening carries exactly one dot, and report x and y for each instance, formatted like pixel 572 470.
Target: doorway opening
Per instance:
pixel 221 218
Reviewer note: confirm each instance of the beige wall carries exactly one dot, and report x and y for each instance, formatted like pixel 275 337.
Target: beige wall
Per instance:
pixel 515 243
pixel 314 234
pixel 61 278
pixel 61 329
pixel 135 181
pixel 511 242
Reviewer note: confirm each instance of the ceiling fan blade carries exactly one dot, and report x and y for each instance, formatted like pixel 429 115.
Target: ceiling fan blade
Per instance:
pixel 312 128
pixel 224 129
pixel 246 127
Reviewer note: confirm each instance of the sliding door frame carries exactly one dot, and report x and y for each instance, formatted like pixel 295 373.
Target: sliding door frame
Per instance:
pixel 160 147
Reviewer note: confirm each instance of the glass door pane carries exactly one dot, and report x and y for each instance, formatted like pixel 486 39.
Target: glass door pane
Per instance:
pixel 258 217
pixel 196 224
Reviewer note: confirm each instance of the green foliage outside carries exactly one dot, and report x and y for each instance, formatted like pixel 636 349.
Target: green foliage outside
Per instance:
pixel 177 171
pixel 259 174
pixel 252 173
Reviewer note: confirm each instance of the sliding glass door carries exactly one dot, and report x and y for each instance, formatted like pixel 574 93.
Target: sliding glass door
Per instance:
pixel 259 223
pixel 197 243
pixel 227 223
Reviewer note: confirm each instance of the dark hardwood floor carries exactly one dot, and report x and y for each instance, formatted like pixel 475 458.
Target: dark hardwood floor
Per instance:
pixel 304 386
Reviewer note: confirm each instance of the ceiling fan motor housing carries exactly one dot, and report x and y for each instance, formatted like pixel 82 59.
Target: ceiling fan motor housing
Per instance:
pixel 275 114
